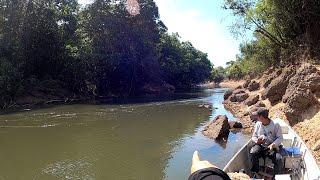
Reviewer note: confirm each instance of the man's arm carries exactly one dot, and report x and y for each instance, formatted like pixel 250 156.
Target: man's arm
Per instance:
pixel 255 133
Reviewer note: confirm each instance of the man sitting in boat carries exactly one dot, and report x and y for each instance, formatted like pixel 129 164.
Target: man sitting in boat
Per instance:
pixel 267 137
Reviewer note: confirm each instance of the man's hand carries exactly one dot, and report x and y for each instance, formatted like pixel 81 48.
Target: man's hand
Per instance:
pixel 197 164
pixel 271 146
pixel 261 141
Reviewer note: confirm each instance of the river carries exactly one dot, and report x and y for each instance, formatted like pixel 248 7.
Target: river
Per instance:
pixel 135 141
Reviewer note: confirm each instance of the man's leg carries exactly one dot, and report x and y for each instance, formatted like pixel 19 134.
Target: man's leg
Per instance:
pixel 255 154
pixel 277 161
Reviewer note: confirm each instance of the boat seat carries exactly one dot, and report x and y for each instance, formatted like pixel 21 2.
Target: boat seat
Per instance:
pixel 287 137
pixel 285 129
pixel 292 158
pixel 287 140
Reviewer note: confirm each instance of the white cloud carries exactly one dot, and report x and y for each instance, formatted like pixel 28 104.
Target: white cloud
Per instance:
pixel 208 35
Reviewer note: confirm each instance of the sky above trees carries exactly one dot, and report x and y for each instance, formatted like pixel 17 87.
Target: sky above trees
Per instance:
pixel 204 23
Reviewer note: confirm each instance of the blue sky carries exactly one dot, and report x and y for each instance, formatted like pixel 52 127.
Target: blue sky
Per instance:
pixel 202 22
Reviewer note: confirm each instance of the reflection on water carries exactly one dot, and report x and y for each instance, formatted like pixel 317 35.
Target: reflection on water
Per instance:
pixel 219 153
pixel 128 141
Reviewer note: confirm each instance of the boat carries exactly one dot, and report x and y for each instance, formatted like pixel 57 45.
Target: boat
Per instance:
pixel 297 166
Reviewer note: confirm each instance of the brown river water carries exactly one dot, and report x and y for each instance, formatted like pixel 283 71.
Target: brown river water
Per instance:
pixel 128 141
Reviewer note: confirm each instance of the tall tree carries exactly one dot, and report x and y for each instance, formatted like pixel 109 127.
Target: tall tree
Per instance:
pixel 124 46
pixel 182 65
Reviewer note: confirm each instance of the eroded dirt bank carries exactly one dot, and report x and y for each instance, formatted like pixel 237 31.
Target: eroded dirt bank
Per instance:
pixel 291 93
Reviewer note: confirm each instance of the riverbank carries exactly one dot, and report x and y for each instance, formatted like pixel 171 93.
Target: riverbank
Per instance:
pixel 232 84
pixel 291 93
pixel 56 93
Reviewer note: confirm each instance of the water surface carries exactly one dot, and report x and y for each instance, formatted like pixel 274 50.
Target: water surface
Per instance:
pixel 121 141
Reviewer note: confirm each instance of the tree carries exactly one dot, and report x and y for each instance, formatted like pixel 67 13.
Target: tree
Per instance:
pixel 218 74
pixel 54 46
pixel 284 24
pixel 182 65
pixel 124 46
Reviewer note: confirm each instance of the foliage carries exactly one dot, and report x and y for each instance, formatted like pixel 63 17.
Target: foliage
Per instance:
pixel 97 50
pixel 124 46
pixel 218 74
pixel 282 29
pixel 182 65
pixel 10 82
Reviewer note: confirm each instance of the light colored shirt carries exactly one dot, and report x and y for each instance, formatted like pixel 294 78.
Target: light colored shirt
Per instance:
pixel 272 133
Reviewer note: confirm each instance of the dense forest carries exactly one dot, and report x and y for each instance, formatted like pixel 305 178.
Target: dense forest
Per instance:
pixel 284 32
pixel 58 48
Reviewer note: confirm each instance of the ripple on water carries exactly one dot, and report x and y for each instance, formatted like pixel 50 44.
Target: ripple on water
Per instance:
pixel 80 169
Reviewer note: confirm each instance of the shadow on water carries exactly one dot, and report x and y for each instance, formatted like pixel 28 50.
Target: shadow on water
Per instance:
pixel 178 95
pixel 120 141
pixel 195 93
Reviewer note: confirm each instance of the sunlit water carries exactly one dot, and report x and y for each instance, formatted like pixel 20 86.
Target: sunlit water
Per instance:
pixel 130 141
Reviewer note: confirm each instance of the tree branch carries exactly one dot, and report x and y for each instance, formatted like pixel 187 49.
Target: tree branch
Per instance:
pixel 268 35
